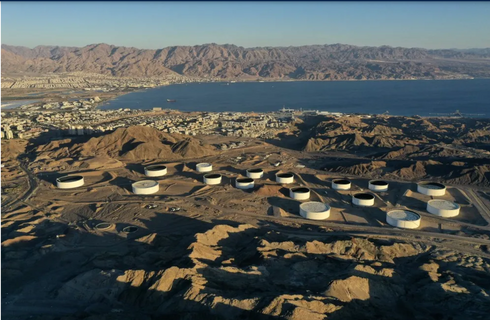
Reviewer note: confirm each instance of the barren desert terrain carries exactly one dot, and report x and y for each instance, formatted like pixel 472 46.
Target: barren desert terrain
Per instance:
pixel 198 251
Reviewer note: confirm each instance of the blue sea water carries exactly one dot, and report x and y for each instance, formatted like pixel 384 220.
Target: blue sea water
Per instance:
pixel 12 104
pixel 408 98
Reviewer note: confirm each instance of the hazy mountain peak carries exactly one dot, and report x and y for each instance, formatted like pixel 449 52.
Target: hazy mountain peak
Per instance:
pixel 312 62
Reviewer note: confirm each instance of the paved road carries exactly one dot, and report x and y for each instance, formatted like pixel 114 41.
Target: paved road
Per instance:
pixel 31 181
pixel 478 203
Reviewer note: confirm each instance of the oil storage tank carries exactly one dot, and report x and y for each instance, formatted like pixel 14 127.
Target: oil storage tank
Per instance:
pixel 363 199
pixel 431 189
pixel 443 208
pixel 244 183
pixel 314 210
pixel 378 185
pixel 284 177
pixel 299 193
pixel 212 178
pixel 204 167
pixel 404 219
pixel 255 173
pixel 341 184
pixel 70 182
pixel 145 187
pixel 156 170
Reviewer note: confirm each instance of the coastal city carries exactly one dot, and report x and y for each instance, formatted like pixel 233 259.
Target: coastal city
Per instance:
pixel 81 117
pixel 94 82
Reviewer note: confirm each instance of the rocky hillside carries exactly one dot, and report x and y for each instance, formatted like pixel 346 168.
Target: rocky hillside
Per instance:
pixel 247 273
pixel 449 150
pixel 398 137
pixel 130 144
pixel 316 62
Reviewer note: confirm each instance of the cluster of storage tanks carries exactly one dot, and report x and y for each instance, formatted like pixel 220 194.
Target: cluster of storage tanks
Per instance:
pixel 145 187
pixel 310 210
pixel 439 207
pixel 150 186
pixel 313 210
pixel 209 178
pixel 403 218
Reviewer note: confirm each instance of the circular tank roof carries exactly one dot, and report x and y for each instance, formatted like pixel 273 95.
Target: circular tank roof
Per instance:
pixel 300 190
pixel 245 180
pixel 314 206
pixel 130 229
pixel 156 167
pixel 364 196
pixel 443 204
pixel 69 178
pixel 203 164
pixel 284 175
pixel 212 175
pixel 255 170
pixel 378 183
pixel 433 185
pixel 145 184
pixel 103 226
pixel 405 215
pixel 341 181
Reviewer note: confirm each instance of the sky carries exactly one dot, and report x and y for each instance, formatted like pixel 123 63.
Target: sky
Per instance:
pixel 153 25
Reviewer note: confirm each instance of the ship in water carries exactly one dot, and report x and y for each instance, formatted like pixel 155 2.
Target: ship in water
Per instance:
pixel 170 100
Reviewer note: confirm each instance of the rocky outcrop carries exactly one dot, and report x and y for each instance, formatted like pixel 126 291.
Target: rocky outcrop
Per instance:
pixel 458 173
pixel 405 136
pixel 341 142
pixel 244 272
pixel 136 143
pixel 414 171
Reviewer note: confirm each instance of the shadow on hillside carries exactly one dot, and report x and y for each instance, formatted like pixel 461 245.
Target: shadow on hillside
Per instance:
pixel 288 205
pixel 136 168
pixel 233 170
pixel 192 175
pixel 123 183
pixel 297 142
pixel 144 274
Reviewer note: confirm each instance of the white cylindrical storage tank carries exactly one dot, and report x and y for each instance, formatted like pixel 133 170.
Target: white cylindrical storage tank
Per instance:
pixel 69 182
pixel 244 183
pixel 314 210
pixel 443 208
pixel 378 185
pixel 363 199
pixel 299 193
pixel 204 167
pixel 156 170
pixel 341 184
pixel 284 177
pixel 403 219
pixel 212 178
pixel 255 173
pixel 145 187
pixel 431 189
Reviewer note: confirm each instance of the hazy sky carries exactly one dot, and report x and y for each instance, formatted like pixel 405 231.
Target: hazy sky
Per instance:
pixel 154 25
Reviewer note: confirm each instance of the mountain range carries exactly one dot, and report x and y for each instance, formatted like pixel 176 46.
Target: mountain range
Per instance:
pixel 312 62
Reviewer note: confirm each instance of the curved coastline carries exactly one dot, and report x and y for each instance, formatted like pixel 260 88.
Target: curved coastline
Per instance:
pixel 398 97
